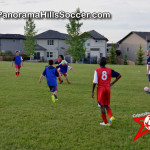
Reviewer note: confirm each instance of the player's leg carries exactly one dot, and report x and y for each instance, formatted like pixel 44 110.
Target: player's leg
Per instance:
pixel 19 66
pixel 109 112
pixel 55 94
pixel 60 78
pixel 16 72
pixel 149 82
pixel 110 115
pixel 66 76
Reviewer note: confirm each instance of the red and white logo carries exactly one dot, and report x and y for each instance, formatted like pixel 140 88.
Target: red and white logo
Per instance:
pixel 147 122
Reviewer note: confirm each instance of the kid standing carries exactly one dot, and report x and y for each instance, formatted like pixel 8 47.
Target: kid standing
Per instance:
pixel 102 77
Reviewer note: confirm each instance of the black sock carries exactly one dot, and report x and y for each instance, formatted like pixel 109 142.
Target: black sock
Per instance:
pixel 55 96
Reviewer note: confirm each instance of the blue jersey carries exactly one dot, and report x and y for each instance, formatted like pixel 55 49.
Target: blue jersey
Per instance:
pixel 17 60
pixel 63 68
pixel 51 75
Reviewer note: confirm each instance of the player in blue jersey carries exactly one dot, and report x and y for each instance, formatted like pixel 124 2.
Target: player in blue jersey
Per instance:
pixel 63 71
pixel 51 77
pixel 17 60
pixel 148 68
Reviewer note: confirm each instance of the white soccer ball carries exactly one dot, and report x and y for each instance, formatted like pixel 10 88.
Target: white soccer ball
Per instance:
pixel 147 122
pixel 146 89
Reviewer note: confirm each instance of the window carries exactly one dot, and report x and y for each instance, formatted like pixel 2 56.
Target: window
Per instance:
pixel 50 54
pixel 88 44
pixel 47 54
pixel 101 55
pixel 50 42
pixel 127 49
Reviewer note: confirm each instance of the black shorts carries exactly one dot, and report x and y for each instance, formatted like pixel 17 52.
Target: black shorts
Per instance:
pixel 149 77
pixel 53 88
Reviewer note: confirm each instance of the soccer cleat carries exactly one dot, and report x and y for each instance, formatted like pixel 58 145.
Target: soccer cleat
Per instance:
pixel 103 124
pixel 69 83
pixel 56 99
pixel 112 119
pixel 53 98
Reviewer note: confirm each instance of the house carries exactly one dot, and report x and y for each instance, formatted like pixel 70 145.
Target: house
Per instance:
pixel 116 47
pixel 96 45
pixel 11 42
pixel 131 42
pixel 50 44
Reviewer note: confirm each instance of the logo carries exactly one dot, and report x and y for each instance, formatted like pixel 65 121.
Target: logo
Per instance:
pixel 145 124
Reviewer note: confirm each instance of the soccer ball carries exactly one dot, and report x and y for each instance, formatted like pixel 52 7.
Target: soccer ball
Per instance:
pixel 147 122
pixel 146 89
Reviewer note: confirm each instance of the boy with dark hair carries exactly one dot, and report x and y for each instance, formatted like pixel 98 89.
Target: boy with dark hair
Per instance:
pixel 51 76
pixel 63 71
pixel 148 68
pixel 102 77
pixel 17 59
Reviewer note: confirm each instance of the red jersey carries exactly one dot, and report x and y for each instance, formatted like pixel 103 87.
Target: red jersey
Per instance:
pixel 102 77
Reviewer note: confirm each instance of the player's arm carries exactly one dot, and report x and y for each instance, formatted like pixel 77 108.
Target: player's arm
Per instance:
pixel 148 68
pixel 22 61
pixel 115 74
pixel 56 73
pixel 42 75
pixel 58 66
pixel 95 81
pixel 13 61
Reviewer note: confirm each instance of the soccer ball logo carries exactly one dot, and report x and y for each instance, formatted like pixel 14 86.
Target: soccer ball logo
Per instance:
pixel 147 122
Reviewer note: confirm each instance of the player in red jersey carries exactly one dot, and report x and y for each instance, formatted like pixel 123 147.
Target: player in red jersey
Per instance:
pixel 102 77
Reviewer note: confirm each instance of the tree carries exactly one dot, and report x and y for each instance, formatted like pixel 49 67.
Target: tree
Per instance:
pixel 76 39
pixel 125 59
pixel 140 56
pixel 30 34
pixel 112 55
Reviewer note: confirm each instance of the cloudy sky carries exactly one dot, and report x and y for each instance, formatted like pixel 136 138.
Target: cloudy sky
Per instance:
pixel 127 16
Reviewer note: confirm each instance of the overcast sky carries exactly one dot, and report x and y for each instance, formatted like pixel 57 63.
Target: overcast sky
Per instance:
pixel 127 16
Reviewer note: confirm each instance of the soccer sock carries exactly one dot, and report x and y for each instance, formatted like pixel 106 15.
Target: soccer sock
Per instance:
pixel 16 73
pixel 59 79
pixel 104 118
pixel 67 80
pixel 55 96
pixel 109 112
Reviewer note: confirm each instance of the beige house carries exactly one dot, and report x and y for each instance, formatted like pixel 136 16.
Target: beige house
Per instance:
pixel 130 44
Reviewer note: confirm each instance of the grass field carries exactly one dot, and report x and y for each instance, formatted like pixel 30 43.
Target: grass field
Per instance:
pixel 30 121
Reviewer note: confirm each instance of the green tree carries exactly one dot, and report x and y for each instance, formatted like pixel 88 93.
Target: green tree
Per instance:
pixel 76 39
pixel 140 56
pixel 30 35
pixel 125 59
pixel 112 55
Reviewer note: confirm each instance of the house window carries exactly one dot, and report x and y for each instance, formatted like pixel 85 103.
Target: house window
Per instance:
pixel 127 49
pixel 50 54
pixel 88 44
pixel 50 42
pixel 47 54
pixel 101 55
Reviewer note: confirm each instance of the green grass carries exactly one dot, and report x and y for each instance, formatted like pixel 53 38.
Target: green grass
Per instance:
pixel 30 121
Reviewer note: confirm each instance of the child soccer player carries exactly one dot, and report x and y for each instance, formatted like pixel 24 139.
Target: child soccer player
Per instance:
pixel 148 68
pixel 63 71
pixel 102 77
pixel 17 59
pixel 51 76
